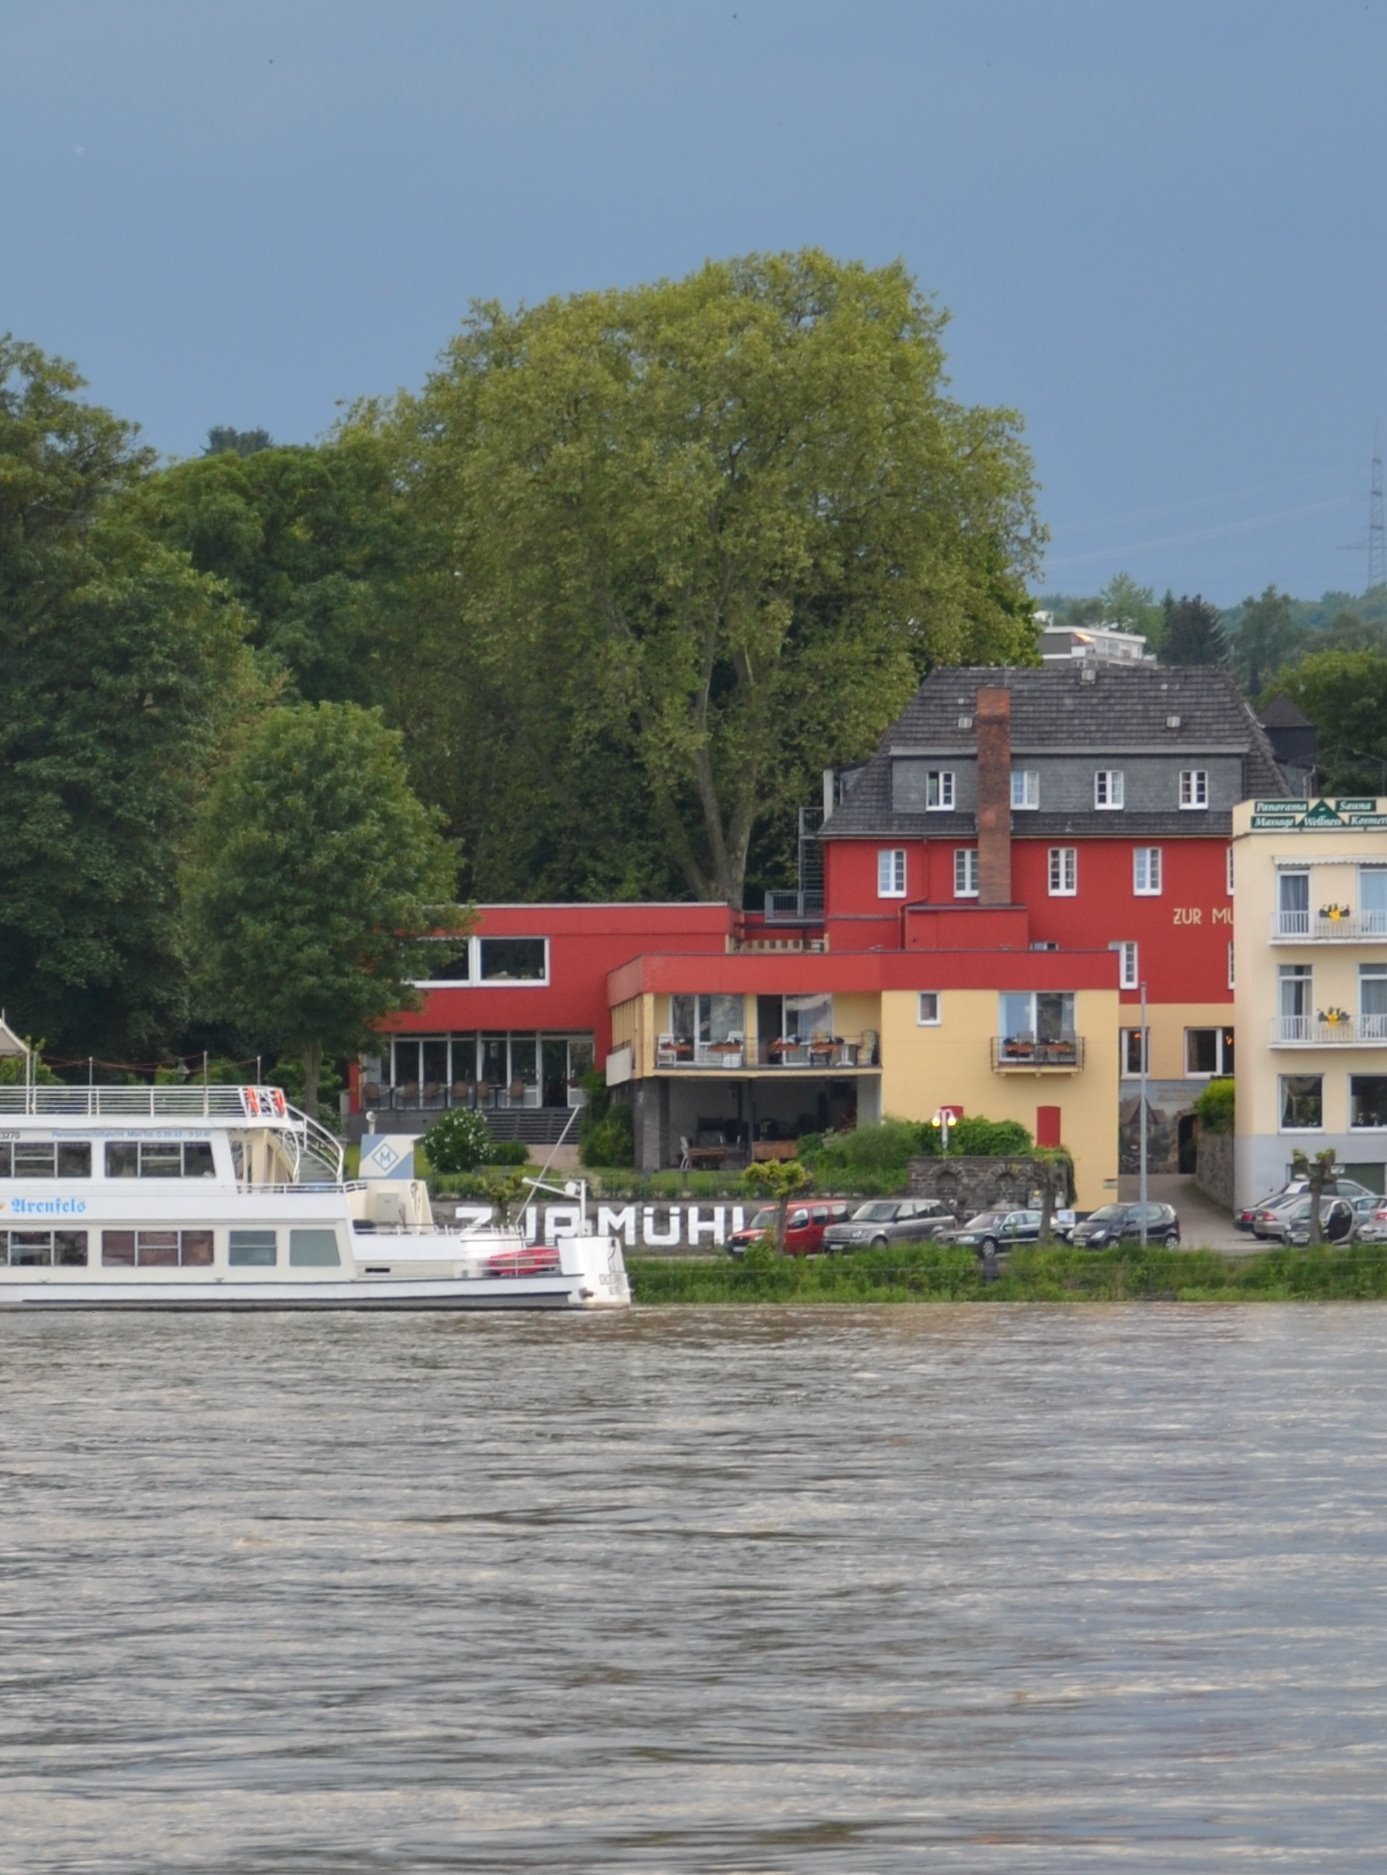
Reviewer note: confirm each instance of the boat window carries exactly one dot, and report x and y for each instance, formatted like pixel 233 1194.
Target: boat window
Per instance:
pixel 156 1249
pixel 158 1158
pixel 252 1249
pixel 43 1158
pixel 29 1248
pixel 313 1249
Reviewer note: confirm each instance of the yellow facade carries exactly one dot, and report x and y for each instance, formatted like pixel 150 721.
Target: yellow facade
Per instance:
pixel 951 1064
pixel 1310 1018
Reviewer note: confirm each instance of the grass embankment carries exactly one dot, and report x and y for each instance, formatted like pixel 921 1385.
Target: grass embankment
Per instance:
pixel 937 1273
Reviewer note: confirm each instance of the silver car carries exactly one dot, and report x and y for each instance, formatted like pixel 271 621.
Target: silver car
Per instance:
pixel 889 1220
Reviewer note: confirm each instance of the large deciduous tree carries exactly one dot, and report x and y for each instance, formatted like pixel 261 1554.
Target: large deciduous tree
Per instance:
pixel 122 671
pixel 315 874
pixel 720 527
pixel 1344 694
pixel 1265 638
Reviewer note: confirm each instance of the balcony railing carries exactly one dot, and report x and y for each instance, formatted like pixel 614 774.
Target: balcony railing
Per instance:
pixel 1312 1032
pixel 1314 927
pixel 815 1054
pixel 794 907
pixel 1025 1052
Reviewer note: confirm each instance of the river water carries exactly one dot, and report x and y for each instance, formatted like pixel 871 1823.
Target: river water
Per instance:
pixel 983 1589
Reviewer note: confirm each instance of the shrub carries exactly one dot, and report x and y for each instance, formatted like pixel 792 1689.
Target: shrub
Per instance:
pixel 458 1141
pixel 1215 1107
pixel 885 1146
pixel 980 1138
pixel 611 1141
pixel 509 1152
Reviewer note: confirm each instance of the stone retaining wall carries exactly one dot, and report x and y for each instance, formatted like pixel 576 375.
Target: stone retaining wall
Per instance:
pixel 969 1185
pixel 1214 1168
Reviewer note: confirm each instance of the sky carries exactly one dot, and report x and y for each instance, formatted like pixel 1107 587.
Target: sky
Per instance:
pixel 1159 229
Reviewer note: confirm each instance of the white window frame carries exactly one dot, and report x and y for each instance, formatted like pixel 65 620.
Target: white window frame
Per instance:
pixel 891 872
pixel 1231 983
pixel 1027 796
pixel 1128 963
pixel 1230 872
pixel 927 1001
pixel 965 872
pixel 1194 788
pixel 1281 1081
pixel 940 792
pixel 471 948
pixel 1063 865
pixel 1109 789
pixel 1147 867
pixel 1220 1068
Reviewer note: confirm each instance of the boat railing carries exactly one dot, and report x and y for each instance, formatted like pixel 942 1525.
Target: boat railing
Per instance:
pixel 125 1102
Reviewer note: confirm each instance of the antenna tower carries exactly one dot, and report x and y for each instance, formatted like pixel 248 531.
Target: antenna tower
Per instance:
pixel 1377 531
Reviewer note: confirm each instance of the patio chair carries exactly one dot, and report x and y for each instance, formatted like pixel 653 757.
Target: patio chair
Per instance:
pixel 486 1094
pixel 406 1094
pixel 462 1093
pixel 372 1094
pixel 869 1047
pixel 515 1094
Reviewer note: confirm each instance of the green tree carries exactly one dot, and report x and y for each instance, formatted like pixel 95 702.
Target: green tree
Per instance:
pixel 1344 694
pixel 720 526
pixel 123 672
pixel 1123 602
pixel 779 1180
pixel 1264 638
pixel 1191 632
pixel 314 544
pixel 315 875
pixel 222 440
pixel 1350 631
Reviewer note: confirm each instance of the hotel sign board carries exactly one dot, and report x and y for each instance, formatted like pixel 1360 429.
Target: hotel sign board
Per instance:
pixel 1344 815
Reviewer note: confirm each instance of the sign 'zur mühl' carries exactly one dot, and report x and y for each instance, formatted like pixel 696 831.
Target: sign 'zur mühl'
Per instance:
pixel 1322 816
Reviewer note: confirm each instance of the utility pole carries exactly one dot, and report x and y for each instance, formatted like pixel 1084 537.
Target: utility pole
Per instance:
pixel 1377 531
pixel 1141 1186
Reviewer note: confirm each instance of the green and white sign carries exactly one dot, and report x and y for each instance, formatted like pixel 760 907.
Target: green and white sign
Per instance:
pixel 1344 814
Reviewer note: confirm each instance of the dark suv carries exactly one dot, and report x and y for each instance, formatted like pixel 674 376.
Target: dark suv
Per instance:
pixel 1122 1223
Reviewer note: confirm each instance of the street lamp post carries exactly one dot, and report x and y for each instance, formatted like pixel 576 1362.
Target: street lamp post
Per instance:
pixel 1141 1183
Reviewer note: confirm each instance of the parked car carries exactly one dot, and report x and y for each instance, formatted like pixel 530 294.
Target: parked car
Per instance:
pixel 1372 1228
pixel 889 1220
pixel 1266 1218
pixel 805 1225
pixel 996 1230
pixel 1297 1188
pixel 1291 1223
pixel 1122 1223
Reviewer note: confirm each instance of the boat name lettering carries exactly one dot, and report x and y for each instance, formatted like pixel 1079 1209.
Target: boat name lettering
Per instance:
pixel 35 1207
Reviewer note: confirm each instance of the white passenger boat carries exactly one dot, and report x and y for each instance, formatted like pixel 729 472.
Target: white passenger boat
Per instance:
pixel 229 1197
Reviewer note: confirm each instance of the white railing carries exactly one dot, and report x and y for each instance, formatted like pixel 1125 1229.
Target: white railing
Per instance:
pixel 1311 1032
pixel 1310 927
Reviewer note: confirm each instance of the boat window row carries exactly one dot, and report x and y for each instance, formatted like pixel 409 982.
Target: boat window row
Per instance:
pixel 125 1158
pixel 166 1249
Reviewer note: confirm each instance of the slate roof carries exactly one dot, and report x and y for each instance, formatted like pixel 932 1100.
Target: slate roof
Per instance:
pixel 1281 713
pixel 1055 711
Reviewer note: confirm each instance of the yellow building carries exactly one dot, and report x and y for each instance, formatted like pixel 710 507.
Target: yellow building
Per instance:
pixel 1310 988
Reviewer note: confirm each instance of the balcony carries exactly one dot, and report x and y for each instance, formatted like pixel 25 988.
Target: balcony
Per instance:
pixel 1022 1052
pixel 1346 1032
pixel 1343 927
pixel 815 1055
pixel 794 908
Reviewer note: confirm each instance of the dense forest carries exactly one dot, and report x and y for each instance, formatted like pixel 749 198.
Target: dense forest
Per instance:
pixel 585 614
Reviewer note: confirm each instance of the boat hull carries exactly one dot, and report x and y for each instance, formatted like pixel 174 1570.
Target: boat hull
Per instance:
pixel 548 1292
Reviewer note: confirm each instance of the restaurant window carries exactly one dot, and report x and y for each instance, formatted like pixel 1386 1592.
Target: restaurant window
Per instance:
pixel 1302 1103
pixel 45 1158
pixel 45 1249
pixel 1064 871
pixel 513 959
pixel 1146 871
pixel 1367 1100
pixel 1194 787
pixel 927 1009
pixel 939 789
pixel 891 872
pixel 1109 788
pixel 707 1019
pixel 1208 1052
pixel 1134 1045
pixel 802 1018
pixel 965 872
pixel 1025 788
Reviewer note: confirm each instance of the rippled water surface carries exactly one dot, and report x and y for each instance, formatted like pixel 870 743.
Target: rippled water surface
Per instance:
pixel 957 1589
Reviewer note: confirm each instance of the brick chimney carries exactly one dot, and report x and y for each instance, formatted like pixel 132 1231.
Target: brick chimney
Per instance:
pixel 993 717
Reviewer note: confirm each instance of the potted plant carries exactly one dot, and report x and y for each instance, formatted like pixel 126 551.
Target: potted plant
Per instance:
pixel 1334 914
pixel 1333 1016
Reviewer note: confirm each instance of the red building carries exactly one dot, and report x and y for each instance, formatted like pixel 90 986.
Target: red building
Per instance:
pixel 1038 833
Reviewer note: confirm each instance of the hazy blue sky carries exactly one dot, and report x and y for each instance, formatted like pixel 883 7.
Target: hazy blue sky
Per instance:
pixel 1159 227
